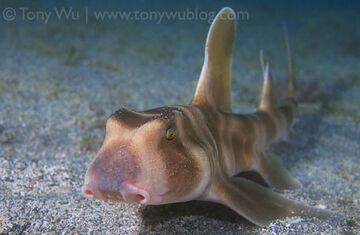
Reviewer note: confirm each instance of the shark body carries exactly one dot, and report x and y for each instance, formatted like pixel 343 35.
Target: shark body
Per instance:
pixel 194 152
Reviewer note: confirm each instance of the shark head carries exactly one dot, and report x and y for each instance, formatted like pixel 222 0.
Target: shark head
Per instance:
pixel 149 157
pixel 164 155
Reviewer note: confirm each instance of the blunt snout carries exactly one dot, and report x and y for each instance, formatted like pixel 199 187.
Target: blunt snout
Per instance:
pixel 113 176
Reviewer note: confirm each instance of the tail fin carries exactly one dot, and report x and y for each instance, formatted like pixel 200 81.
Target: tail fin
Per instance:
pixel 291 76
pixel 268 96
pixel 262 60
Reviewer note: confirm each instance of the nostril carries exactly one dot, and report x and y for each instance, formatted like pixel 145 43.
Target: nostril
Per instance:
pixel 87 192
pixel 131 193
pixel 140 197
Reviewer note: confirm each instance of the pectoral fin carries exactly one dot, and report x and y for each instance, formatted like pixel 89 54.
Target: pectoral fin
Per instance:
pixel 213 89
pixel 273 172
pixel 259 204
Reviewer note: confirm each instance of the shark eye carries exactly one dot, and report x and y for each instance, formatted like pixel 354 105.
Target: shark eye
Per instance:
pixel 170 133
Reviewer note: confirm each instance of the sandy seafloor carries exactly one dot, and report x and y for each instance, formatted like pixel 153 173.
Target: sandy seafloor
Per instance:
pixel 59 82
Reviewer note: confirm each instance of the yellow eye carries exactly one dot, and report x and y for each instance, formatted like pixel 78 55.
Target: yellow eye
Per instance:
pixel 170 133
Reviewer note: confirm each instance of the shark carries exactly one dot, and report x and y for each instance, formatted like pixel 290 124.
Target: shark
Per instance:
pixel 196 152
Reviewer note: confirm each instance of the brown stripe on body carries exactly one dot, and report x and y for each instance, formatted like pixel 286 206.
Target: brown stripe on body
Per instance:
pixel 235 138
pixel 186 158
pixel 275 122
pixel 259 123
pixel 219 126
pixel 274 125
pixel 251 133
pixel 201 143
pixel 244 137
pixel 269 125
pixel 226 142
pixel 202 134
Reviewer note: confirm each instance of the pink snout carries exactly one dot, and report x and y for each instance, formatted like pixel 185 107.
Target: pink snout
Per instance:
pixel 128 192
pixel 131 193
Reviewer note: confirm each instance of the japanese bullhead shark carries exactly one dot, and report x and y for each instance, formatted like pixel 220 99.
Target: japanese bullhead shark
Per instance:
pixel 195 152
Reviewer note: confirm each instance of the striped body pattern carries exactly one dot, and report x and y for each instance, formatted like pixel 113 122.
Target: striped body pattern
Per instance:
pixel 195 152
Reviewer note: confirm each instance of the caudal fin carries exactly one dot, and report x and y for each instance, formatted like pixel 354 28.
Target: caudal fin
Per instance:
pixel 291 76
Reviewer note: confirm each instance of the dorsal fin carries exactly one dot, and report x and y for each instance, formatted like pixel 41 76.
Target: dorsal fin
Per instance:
pixel 268 96
pixel 214 86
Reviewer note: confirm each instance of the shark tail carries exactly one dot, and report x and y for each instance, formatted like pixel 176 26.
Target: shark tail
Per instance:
pixel 291 76
pixel 279 102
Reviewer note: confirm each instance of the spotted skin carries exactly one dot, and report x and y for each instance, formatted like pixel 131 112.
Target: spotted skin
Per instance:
pixel 194 152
